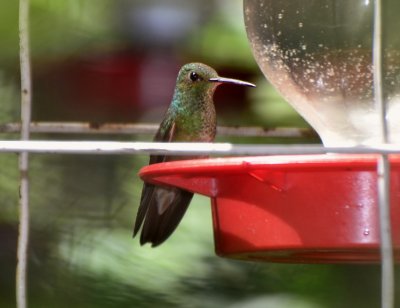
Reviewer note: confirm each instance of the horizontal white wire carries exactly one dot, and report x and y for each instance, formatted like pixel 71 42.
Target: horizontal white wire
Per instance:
pixel 116 147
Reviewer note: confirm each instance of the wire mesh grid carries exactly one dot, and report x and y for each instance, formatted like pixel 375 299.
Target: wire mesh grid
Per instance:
pixel 25 146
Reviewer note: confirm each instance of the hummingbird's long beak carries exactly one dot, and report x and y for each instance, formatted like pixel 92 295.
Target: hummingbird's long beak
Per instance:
pixel 233 81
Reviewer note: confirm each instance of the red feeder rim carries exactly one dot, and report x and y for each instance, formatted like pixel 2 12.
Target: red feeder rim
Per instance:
pixel 299 209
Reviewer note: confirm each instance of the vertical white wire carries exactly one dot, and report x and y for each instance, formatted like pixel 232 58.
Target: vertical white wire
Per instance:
pixel 383 169
pixel 377 71
pixel 23 232
pixel 387 267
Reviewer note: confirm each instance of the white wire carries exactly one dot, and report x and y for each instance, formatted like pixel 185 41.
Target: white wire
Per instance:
pixel 383 168
pixel 117 147
pixel 26 99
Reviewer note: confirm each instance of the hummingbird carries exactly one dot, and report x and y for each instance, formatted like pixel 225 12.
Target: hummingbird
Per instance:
pixel 191 117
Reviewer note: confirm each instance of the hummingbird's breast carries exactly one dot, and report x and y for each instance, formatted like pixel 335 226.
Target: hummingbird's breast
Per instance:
pixel 197 124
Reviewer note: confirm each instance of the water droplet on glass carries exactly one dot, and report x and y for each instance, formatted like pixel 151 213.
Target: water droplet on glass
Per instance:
pixel 366 231
pixel 300 25
pixel 280 15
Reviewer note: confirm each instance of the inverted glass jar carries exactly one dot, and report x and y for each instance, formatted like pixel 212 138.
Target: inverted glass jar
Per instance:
pixel 318 54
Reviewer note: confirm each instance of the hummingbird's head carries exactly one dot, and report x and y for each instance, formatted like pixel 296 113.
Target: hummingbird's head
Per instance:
pixel 198 77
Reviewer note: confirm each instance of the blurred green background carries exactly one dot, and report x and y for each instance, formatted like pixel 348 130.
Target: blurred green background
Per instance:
pixel 116 61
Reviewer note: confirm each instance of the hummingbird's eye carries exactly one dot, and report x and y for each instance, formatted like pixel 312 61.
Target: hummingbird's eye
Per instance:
pixel 194 76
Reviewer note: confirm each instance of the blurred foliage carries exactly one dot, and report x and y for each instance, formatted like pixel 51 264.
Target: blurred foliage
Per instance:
pixel 57 28
pixel 222 34
pixel 82 207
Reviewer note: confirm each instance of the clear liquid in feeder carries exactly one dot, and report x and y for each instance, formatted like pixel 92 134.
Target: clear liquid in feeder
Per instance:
pixel 318 54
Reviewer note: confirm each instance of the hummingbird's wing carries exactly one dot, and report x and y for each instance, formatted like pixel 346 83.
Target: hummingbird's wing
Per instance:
pixel 157 227
pixel 161 208
pixel 164 133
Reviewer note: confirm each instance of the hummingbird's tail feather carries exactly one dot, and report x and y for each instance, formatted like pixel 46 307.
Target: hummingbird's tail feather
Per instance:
pixel 157 227
pixel 145 200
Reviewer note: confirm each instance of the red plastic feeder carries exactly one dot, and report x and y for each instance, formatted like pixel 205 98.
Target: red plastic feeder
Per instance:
pixel 299 209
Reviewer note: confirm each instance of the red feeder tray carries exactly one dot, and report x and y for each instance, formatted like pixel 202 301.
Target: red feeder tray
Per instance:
pixel 299 209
